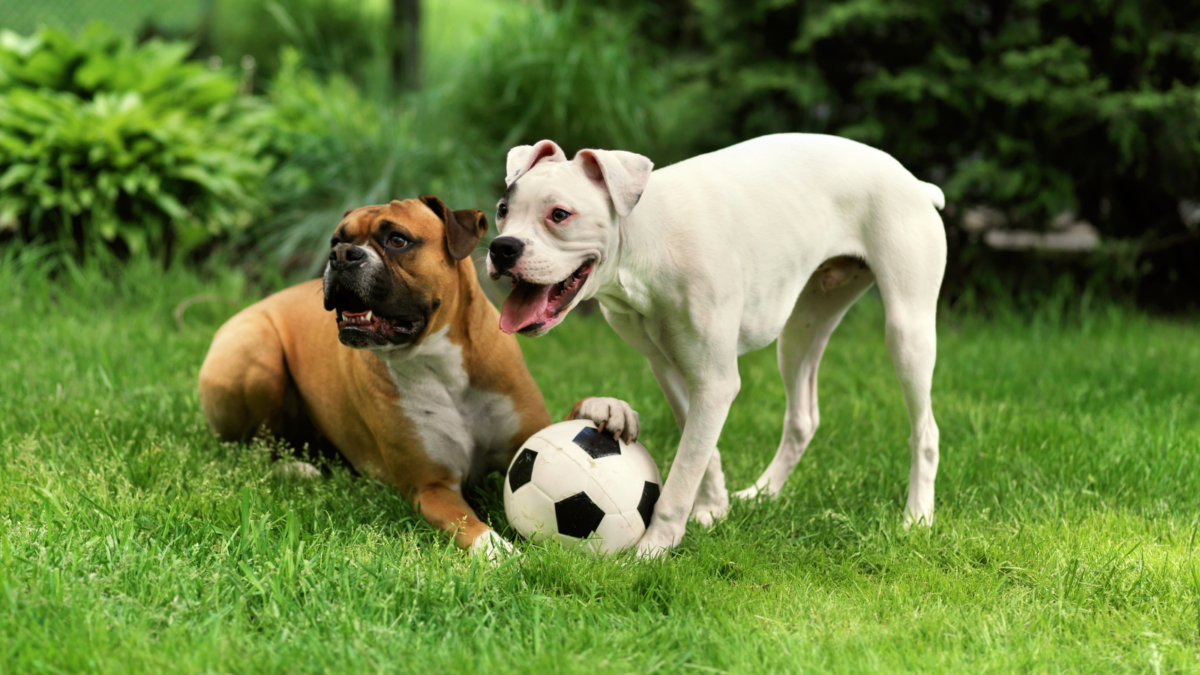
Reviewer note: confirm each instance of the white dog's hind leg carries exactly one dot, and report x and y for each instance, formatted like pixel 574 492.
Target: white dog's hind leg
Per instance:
pixel 912 343
pixel 801 345
pixel 909 273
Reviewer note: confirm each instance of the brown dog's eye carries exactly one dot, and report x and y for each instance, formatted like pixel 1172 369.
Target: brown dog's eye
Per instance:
pixel 397 240
pixel 559 215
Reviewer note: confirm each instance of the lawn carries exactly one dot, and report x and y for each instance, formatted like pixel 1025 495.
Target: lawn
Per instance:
pixel 131 541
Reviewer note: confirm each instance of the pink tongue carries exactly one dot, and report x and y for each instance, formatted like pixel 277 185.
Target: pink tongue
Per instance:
pixel 525 305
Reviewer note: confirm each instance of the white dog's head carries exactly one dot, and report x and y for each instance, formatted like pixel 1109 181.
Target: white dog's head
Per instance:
pixel 558 226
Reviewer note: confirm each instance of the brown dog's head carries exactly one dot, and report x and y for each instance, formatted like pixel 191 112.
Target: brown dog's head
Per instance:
pixel 393 269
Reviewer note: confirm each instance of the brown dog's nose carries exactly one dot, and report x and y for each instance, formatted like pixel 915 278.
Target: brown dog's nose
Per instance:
pixel 505 252
pixel 345 256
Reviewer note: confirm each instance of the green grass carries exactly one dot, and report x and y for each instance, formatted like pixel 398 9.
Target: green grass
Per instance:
pixel 131 541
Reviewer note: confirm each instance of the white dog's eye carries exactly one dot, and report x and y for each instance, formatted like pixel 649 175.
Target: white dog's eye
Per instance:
pixel 501 211
pixel 559 215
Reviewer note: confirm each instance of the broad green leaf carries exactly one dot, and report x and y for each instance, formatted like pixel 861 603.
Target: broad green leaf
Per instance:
pixel 170 205
pixel 15 174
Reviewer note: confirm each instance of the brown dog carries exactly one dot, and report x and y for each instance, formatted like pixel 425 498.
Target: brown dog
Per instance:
pixel 404 370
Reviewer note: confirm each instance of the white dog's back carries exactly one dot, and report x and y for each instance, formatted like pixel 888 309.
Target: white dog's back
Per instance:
pixel 839 164
pixel 784 204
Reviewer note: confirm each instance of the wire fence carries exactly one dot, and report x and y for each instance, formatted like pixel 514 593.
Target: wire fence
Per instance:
pixel 127 16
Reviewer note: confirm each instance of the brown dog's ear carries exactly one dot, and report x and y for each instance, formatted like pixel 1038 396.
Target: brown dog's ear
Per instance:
pixel 346 212
pixel 464 228
pixel 435 205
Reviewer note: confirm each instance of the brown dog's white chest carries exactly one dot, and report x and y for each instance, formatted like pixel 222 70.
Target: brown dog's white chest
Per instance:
pixel 460 427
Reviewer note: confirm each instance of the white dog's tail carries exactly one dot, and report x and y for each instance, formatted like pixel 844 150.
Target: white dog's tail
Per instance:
pixel 935 194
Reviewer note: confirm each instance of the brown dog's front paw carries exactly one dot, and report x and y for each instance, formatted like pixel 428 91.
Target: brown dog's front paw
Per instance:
pixel 492 547
pixel 297 469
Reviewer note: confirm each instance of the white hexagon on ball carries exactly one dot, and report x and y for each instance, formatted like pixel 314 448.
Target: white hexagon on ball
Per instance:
pixel 583 487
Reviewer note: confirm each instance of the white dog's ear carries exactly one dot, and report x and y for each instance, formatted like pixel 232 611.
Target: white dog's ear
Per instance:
pixel 622 174
pixel 524 157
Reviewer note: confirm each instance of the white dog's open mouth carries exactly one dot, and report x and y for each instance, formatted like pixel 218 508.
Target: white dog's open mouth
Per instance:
pixel 536 308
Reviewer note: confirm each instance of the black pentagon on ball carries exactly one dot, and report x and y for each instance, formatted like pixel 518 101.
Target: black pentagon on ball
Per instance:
pixel 578 516
pixel 521 471
pixel 596 443
pixel 649 498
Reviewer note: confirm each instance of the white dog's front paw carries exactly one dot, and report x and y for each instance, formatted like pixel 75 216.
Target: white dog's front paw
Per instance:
pixel 611 414
pixel 707 514
pixel 711 505
pixel 659 538
pixel 492 547
pixel 923 519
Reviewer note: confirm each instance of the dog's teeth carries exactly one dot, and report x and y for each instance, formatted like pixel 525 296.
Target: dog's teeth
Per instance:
pixel 368 317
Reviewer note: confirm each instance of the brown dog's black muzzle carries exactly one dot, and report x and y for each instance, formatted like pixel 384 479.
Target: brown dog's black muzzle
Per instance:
pixel 374 308
pixel 352 283
pixel 344 256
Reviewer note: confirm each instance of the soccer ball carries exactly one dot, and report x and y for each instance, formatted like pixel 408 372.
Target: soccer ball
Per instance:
pixel 581 486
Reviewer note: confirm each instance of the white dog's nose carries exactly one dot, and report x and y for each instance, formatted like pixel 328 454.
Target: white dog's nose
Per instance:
pixel 505 252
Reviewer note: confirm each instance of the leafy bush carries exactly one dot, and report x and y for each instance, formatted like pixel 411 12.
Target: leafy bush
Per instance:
pixel 335 37
pixel 105 142
pixel 343 148
pixel 572 76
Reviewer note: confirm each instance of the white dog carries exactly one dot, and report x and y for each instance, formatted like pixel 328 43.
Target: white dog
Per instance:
pixel 697 263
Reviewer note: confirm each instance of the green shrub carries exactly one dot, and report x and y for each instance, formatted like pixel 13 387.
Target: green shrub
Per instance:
pixel 573 76
pixel 104 142
pixel 335 37
pixel 343 148
pixel 101 60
